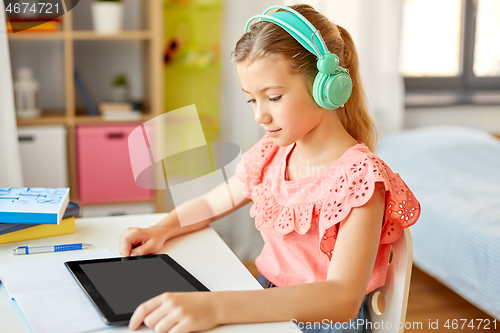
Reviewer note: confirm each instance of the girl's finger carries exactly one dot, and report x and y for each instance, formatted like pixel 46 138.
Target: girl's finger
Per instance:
pixel 156 316
pixel 165 322
pixel 142 311
pixel 143 249
pixel 128 238
pixel 181 327
pixel 124 247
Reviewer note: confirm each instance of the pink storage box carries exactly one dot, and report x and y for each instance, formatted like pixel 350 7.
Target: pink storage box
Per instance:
pixel 104 169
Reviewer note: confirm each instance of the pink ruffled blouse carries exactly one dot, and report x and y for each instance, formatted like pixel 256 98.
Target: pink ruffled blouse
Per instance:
pixel 299 220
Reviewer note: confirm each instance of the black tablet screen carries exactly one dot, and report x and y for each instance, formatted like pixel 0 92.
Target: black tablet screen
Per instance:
pixel 126 284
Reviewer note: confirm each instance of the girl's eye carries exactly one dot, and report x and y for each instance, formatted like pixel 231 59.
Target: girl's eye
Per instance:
pixel 275 99
pixel 251 101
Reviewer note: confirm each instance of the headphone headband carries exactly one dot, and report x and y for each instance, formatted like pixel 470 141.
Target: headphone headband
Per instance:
pixel 303 40
pixel 297 26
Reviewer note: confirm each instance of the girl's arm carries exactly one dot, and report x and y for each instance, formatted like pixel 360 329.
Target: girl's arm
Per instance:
pixel 204 205
pixel 337 299
pixel 138 241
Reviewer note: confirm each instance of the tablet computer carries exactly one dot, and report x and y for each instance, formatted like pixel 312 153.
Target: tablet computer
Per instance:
pixel 117 286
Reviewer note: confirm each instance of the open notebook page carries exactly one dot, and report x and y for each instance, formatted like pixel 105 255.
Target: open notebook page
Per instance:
pixel 48 295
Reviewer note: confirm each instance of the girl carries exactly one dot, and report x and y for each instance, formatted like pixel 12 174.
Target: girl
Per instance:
pixel 327 207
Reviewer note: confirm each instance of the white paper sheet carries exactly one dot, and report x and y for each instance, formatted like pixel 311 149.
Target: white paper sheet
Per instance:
pixel 48 295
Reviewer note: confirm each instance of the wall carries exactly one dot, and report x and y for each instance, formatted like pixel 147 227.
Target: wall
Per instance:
pixel 238 124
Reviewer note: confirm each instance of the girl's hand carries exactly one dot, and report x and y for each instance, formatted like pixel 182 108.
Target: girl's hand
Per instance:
pixel 177 312
pixel 142 241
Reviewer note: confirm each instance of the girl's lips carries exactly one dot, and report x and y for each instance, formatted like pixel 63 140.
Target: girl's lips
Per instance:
pixel 273 133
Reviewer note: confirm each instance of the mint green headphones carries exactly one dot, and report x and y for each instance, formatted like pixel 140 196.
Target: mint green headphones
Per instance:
pixel 332 86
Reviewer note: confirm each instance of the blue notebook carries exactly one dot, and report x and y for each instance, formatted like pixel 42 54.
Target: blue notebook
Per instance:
pixel 73 209
pixel 33 205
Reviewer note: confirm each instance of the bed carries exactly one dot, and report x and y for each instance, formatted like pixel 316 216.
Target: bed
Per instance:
pixel 455 174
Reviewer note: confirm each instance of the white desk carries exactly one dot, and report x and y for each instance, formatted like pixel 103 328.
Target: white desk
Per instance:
pixel 203 253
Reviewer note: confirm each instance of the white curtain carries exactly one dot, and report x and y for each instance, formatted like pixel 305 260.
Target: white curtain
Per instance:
pixel 375 27
pixel 238 124
pixel 10 160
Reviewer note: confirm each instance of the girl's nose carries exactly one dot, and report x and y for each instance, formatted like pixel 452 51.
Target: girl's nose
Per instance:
pixel 262 116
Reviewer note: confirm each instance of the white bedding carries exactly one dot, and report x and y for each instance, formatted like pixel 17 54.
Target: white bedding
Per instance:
pixel 455 174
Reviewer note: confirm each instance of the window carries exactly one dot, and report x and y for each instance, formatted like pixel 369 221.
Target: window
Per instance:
pixel 450 52
pixel 487 39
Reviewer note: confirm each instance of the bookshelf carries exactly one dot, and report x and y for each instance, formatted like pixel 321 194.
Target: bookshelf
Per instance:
pixel 150 37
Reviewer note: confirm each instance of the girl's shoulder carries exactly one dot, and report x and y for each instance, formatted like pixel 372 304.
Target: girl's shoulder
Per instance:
pixel 360 170
pixel 254 161
pixel 261 154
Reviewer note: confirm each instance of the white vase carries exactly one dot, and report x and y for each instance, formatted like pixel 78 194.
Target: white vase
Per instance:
pixel 107 17
pixel 119 94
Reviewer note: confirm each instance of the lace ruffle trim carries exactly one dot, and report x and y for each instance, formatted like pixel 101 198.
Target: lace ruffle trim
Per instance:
pixel 254 161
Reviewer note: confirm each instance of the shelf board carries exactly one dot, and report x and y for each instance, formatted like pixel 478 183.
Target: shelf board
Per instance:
pixel 45 119
pixel 82 35
pixel 81 120
pixel 123 35
pixel 36 35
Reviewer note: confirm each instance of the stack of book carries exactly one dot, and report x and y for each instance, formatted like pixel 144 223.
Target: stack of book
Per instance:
pixel 119 111
pixel 15 24
pixel 30 213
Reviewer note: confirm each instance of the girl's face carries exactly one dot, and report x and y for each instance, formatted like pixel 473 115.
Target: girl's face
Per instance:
pixel 281 102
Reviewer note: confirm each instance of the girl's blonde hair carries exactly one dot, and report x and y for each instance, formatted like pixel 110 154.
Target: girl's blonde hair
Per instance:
pixel 266 38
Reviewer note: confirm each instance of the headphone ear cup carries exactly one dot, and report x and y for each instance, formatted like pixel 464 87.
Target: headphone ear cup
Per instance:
pixel 337 90
pixel 318 90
